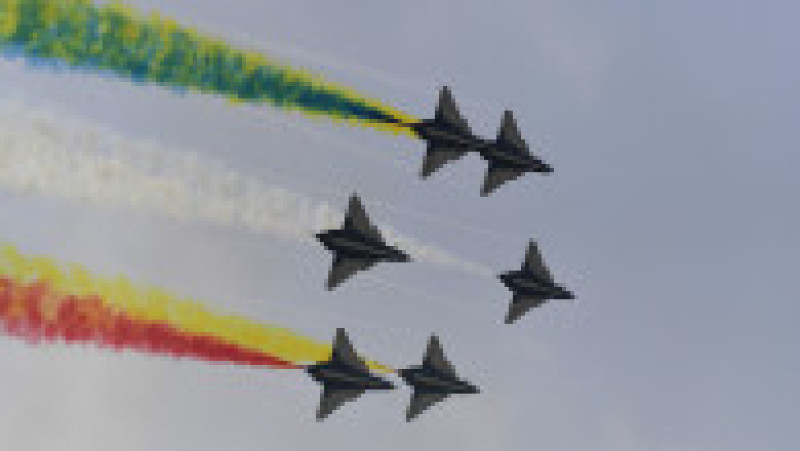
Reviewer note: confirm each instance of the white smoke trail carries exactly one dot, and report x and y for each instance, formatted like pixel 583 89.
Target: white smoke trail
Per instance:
pixel 67 158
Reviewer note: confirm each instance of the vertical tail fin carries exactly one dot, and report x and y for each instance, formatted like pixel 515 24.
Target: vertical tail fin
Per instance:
pixel 509 132
pixel 345 353
pixel 447 112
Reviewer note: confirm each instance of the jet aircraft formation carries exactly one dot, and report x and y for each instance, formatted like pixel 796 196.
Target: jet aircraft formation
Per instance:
pixel 359 245
pixel 83 36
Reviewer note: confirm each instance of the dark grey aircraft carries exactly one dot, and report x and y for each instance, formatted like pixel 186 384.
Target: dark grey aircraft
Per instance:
pixel 433 381
pixel 344 377
pixel 508 157
pixel 532 285
pixel 448 135
pixel 357 246
pixel 449 138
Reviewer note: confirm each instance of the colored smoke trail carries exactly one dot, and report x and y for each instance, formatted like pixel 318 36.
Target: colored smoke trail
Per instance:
pixel 36 313
pixel 72 159
pixel 150 48
pixel 42 301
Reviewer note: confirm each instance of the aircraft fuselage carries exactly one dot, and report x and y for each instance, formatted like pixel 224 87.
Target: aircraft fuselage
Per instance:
pixel 523 283
pixel 446 135
pixel 344 377
pixel 506 155
pixel 354 244
pixel 430 381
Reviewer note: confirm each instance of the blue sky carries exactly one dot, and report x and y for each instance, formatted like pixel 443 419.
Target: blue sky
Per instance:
pixel 672 128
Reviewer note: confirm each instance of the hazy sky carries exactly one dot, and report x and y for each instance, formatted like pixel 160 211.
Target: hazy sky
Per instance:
pixel 673 131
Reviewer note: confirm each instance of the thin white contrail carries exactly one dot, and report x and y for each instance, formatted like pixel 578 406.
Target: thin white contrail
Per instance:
pixel 68 158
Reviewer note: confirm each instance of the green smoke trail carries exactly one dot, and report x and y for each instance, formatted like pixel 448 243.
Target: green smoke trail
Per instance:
pixel 112 37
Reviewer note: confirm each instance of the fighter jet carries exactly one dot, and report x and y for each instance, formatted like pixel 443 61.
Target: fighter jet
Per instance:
pixel 357 246
pixel 448 135
pixel 344 377
pixel 433 381
pixel 532 285
pixel 508 156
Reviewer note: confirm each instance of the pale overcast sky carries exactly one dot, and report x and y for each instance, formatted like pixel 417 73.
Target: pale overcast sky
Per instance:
pixel 673 131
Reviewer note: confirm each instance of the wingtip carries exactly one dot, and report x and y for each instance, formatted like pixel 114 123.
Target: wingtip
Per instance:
pixel 354 198
pixel 486 191
pixel 331 285
pixel 434 341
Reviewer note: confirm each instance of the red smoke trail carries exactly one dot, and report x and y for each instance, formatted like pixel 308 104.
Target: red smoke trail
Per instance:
pixel 36 313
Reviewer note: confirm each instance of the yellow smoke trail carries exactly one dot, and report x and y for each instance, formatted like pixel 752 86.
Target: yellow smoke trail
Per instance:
pixel 157 305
